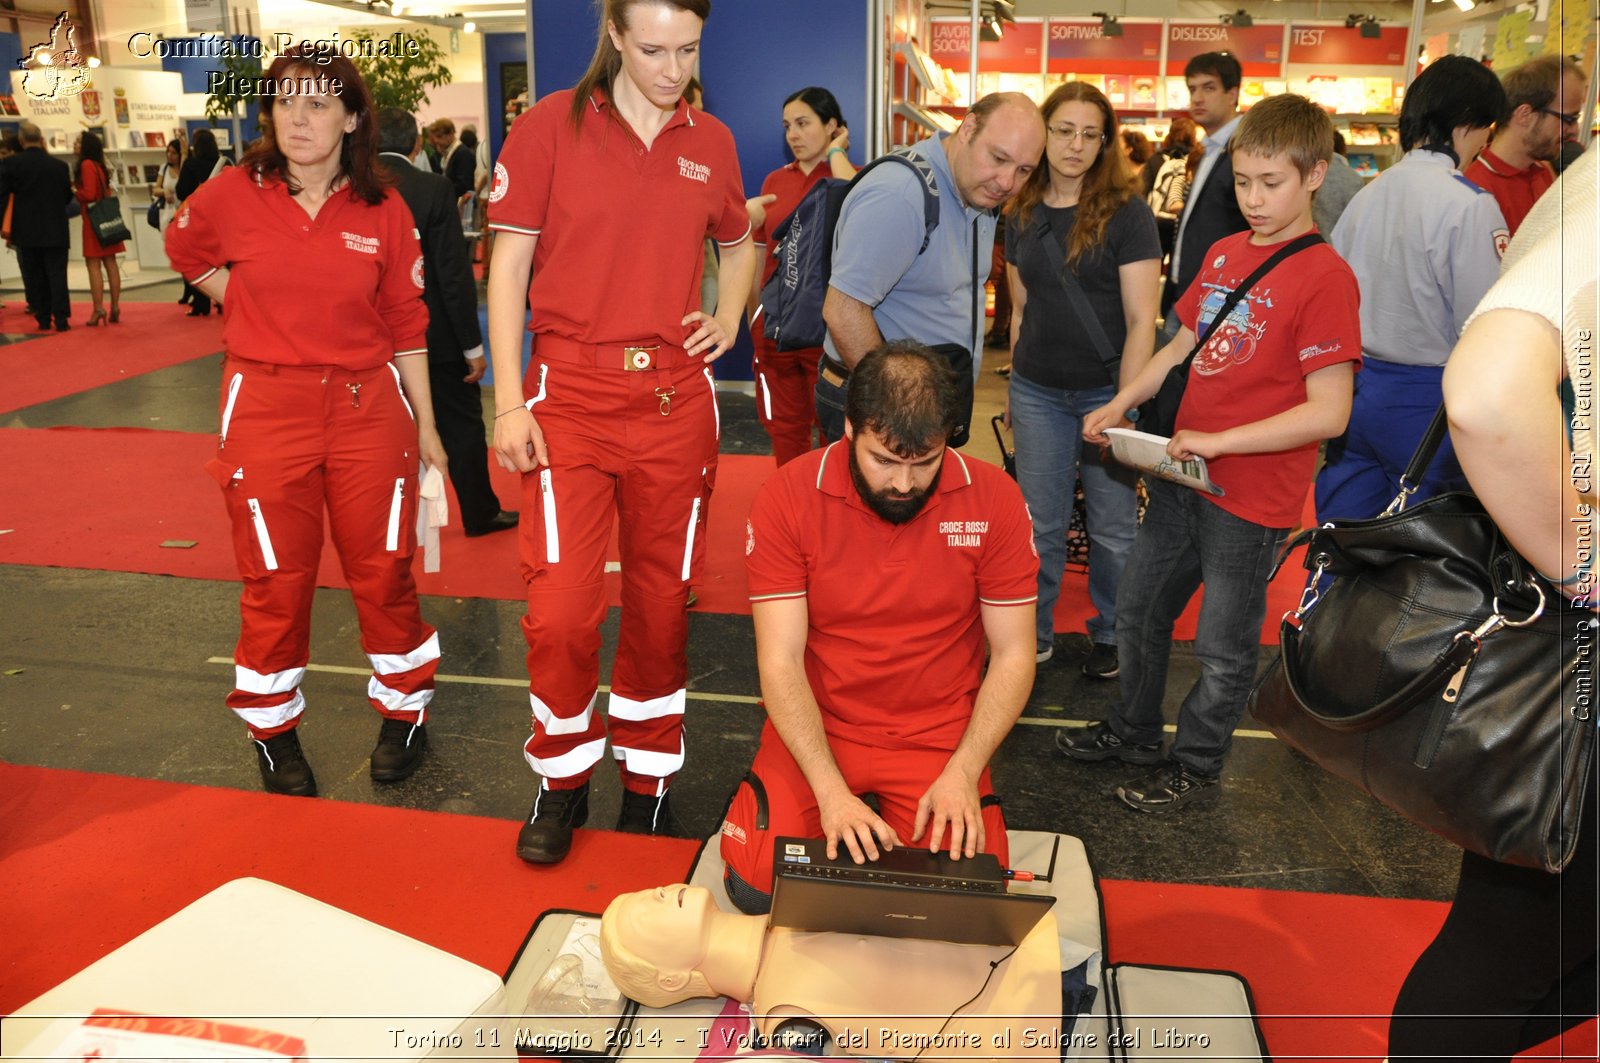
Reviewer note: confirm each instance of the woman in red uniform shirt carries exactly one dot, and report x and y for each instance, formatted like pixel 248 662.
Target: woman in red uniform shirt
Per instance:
pixel 325 404
pixel 91 184
pixel 605 195
pixel 814 128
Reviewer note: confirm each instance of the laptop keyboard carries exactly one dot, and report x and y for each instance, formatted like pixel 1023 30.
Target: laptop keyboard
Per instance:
pixel 869 873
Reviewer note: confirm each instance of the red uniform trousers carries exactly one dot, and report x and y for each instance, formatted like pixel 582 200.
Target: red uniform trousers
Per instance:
pixel 786 384
pixel 639 448
pixel 788 808
pixel 298 441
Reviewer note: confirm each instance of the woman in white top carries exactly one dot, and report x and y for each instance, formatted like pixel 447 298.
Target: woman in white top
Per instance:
pixel 1515 962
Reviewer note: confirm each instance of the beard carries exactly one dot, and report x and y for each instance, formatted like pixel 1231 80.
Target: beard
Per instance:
pixel 888 503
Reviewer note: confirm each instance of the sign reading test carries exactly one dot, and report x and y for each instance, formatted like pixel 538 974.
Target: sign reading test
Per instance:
pixel 1083 48
pixel 1344 46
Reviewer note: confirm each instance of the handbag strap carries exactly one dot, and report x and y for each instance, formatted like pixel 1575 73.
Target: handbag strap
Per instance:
pixel 1075 294
pixel 1421 458
pixel 1429 683
pixel 980 295
pixel 1293 247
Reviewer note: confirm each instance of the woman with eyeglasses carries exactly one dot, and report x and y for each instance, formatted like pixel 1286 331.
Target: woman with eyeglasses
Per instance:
pixel 1085 271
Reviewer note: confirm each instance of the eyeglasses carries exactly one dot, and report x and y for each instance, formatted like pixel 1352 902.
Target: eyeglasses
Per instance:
pixel 1072 133
pixel 1566 117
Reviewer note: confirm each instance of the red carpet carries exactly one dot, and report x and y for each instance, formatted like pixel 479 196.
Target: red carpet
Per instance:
pixel 150 336
pixel 148 488
pixel 89 861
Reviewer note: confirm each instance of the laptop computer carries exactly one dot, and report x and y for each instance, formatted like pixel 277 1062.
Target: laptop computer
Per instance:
pixel 906 893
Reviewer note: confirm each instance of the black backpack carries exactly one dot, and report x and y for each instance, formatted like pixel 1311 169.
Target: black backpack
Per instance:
pixel 803 245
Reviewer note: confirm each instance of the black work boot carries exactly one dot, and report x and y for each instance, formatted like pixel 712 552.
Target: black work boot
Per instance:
pixel 283 766
pixel 646 814
pixel 399 749
pixel 547 835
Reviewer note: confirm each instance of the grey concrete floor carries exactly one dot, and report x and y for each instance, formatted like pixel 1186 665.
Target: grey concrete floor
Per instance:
pixel 123 673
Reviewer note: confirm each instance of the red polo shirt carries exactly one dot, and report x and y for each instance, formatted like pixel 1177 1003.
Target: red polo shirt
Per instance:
pixel 895 649
pixel 790 185
pixel 343 288
pixel 1515 190
pixel 621 227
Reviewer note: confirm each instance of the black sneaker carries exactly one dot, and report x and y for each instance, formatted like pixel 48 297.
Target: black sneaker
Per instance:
pixel 1099 742
pixel 283 766
pixel 399 749
pixel 1102 662
pixel 645 814
pixel 1169 788
pixel 547 836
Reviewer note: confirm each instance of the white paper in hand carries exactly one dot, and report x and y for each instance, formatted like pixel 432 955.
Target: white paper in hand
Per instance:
pixel 1148 453
pixel 433 513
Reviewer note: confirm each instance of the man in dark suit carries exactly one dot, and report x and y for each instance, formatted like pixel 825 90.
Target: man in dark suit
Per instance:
pixel 451 159
pixel 1211 210
pixel 455 339
pixel 39 188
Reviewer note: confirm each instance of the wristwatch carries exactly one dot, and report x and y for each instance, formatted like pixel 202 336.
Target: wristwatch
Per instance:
pixel 1133 415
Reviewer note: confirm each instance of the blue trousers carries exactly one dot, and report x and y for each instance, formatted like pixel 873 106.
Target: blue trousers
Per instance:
pixel 1047 424
pixel 1392 407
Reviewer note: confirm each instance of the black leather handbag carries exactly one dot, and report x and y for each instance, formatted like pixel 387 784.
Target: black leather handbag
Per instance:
pixel 1439 673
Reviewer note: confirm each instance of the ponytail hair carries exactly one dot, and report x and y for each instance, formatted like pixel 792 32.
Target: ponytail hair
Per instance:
pixel 607 61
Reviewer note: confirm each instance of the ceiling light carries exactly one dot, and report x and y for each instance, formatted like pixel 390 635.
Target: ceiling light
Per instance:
pixel 94 61
pixel 1370 28
pixel 989 28
pixel 1109 26
pixel 43 58
pixel 469 27
pixel 1466 5
pixel 1240 18
pixel 1005 10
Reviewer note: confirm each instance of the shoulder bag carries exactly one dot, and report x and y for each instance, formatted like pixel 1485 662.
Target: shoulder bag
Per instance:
pixel 1439 673
pixel 1159 414
pixel 105 214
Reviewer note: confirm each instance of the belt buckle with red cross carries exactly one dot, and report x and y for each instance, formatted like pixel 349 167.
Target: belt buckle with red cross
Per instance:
pixel 638 359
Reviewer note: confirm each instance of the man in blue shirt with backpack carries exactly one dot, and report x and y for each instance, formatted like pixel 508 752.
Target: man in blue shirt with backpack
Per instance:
pixel 893 277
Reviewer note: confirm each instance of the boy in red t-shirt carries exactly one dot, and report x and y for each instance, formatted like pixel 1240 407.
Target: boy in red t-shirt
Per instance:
pixel 1272 381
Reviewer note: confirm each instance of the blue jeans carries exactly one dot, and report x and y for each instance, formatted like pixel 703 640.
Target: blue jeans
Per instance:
pixel 1185 541
pixel 1047 424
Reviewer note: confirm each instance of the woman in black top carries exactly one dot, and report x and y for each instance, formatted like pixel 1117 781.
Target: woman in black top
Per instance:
pixel 204 162
pixel 1084 200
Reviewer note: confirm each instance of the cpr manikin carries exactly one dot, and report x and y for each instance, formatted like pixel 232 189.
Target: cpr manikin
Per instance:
pixel 874 996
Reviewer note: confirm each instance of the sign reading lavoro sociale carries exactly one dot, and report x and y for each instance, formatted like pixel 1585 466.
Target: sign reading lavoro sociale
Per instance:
pixel 1259 49
pixel 1344 46
pixel 1083 48
pixel 1016 52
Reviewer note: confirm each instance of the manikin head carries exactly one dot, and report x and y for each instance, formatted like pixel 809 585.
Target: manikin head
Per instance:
pixel 654 942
